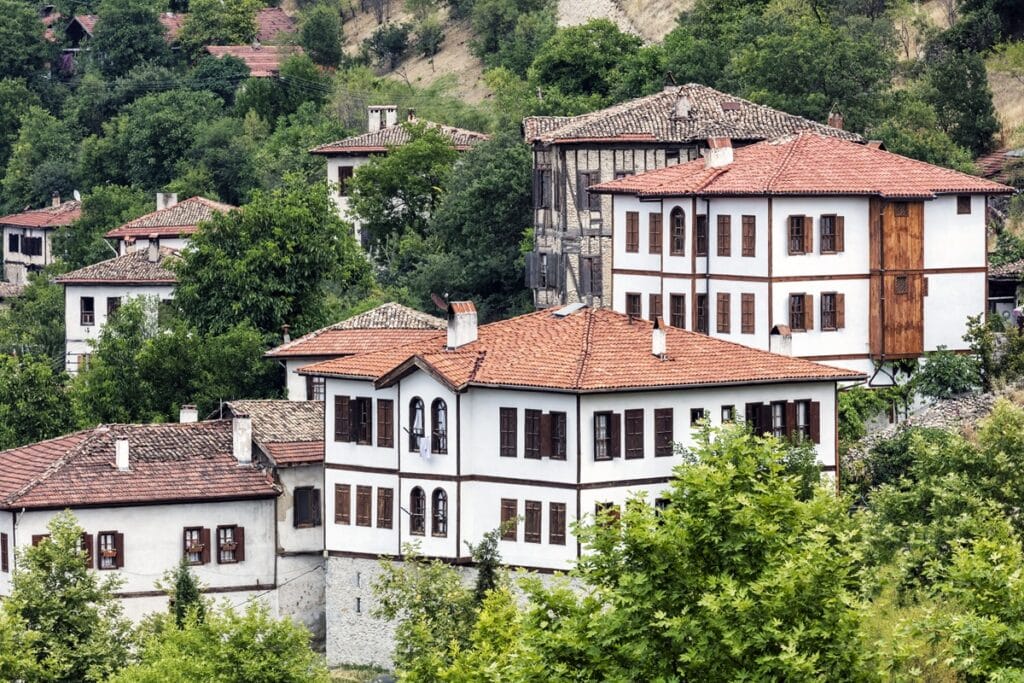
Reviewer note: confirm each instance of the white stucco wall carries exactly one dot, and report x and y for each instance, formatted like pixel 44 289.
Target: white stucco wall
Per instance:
pixel 16 264
pixel 176 243
pixel 853 259
pixel 7 527
pixel 953 240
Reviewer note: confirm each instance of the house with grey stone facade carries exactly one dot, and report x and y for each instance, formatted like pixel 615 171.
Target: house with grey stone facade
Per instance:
pixel 572 257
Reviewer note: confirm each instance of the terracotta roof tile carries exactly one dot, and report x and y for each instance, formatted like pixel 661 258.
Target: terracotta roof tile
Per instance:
pixel 685 113
pixel 263 61
pixel 290 432
pixel 20 466
pixel 171 22
pixel 994 166
pixel 167 463
pixel 1009 271
pixel 48 217
pixel 804 164
pixel 181 219
pixel 131 268
pixel 9 290
pixel 271 22
pixel 383 327
pixel 393 136
pixel 584 351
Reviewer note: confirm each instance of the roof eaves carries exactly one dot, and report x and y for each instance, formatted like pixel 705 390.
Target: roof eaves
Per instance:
pixel 409 365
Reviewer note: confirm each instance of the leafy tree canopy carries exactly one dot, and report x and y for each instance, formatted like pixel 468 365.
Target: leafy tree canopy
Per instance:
pixel 105 208
pixel 42 138
pixel 34 324
pixel 218 22
pixel 15 100
pixel 23 51
pixel 33 405
pixel 321 35
pixel 128 33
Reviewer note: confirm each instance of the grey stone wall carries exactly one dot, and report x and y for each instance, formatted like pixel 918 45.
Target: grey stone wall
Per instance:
pixel 300 593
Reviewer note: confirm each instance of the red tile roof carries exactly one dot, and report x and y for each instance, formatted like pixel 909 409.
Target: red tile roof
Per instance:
pixel 806 164
pixel 583 351
pixel 181 219
pixel 290 432
pixel 20 466
pixel 387 326
pixel 271 22
pixel 394 136
pixel 171 22
pixel 171 463
pixel 994 166
pixel 49 217
pixel 131 268
pixel 263 61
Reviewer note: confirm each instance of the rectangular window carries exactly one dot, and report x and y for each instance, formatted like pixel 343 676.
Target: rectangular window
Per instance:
pixel 385 423
pixel 556 523
pixel 900 209
pixel 531 530
pixel 558 436
pixel 701 314
pixel 591 276
pixel 196 545
pixel 747 313
pixel 607 513
pixel 531 434
pixel 633 309
pixel 654 233
pixel 362 420
pixel 802 428
pixel 342 503
pixel 344 176
pixel 32 246
pixel 606 435
pixel 632 231
pixel 113 303
pixel 230 544
pixel 662 432
pixel 963 204
pixel 728 414
pixel 509 524
pixel 109 547
pixel 827 228
pixel 634 433
pixel 316 388
pixel 5 551
pixel 677 310
pixel 677 225
pixel 797 313
pixel 779 419
pixel 542 188
pixel 700 236
pixel 342 419
pixel 364 502
pixel 385 505
pixel 88 308
pixel 724 235
pixel 586 199
pixel 696 415
pixel 654 306
pixel 722 319
pixel 828 311
pixel 749 235
pixel 13 243
pixel 543 272
pixel 306 506
pixel 800 236
pixel 508 432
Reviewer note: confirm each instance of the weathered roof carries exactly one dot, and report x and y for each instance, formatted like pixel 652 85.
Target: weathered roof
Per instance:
pixel 1007 271
pixel 290 432
pixel 585 350
pixel 994 165
pixel 272 21
pixel 383 327
pixel 65 213
pixel 685 113
pixel 805 164
pixel 131 268
pixel 263 61
pixel 171 22
pixel 170 463
pixel 393 136
pixel 10 289
pixel 181 219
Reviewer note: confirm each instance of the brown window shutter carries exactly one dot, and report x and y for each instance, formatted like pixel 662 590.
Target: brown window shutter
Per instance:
pixel 724 313
pixel 37 539
pixel 814 417
pixel 790 418
pixel 632 231
pixel 840 233
pixel 342 503
pixel 90 551
pixel 808 312
pixel 556 524
pixel 367 427
pixel 840 311
pixel 654 236
pixel 5 563
pixel 119 546
pixel 309 387
pixel 764 418
pixel 240 544
pixel 545 436
pixel 615 448
pixel 808 235
pixel 204 538
pixel 509 511
pixel 585 276
pixel 314 507
pixel 342 417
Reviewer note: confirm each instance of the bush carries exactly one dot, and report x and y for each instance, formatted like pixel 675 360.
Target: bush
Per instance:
pixel 947 374
pixel 429 36
pixel 389 44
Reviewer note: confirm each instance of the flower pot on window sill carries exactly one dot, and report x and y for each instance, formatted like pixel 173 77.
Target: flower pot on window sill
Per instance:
pixel 195 548
pixel 108 553
pixel 230 547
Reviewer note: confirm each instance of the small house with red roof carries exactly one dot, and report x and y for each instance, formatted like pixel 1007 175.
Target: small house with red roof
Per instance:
pixel 534 422
pixel 171 225
pixel 809 244
pixel 28 237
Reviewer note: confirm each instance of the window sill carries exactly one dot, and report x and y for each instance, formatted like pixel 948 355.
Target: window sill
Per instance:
pixel 597 459
pixel 444 535
pixel 227 561
pixel 417 533
pixel 306 525
pixel 828 252
pixel 634 457
pixel 365 525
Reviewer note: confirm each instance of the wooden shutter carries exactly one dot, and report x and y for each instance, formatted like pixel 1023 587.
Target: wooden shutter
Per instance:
pixel 366 426
pixel 531 269
pixel 532 527
pixel 724 235
pixel 204 539
pixel 632 231
pixel 808 235
pixel 764 418
pixel 723 314
pixel 314 506
pixel 87 546
pixel 585 276
pixel 546 446
pixel 119 546
pixel 840 233
pixel 5 563
pixel 662 432
pixel 790 418
pixel 309 387
pixel 654 307
pixel 808 311
pixel 384 507
pixel 840 311
pixel 814 417
pixel 385 423
pixel 342 503
pixel 364 495
pixel 342 419
pixel 239 544
pixel 556 524
pixel 596 276
pixel 654 234
pixel 615 431
pixel 509 507
pixel 582 180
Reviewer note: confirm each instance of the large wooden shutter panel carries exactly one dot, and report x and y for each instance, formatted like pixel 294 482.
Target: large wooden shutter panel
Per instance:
pixel 368 425
pixel 531 269
pixel 37 539
pixel 239 544
pixel 840 311
pixel 342 417
pixel 764 418
pixel 585 284
pixel 5 563
pixel 814 416
pixel 808 311
pixel 840 233
pixel 119 546
pixel 545 436
pixel 615 449
pixel 204 538
pixel 808 235
pixel 790 418
pixel 87 546
pixel 309 387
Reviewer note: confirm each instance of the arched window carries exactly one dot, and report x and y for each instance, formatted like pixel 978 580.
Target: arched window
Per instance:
pixel 439 507
pixel 677 221
pixel 439 426
pixel 417 512
pixel 415 423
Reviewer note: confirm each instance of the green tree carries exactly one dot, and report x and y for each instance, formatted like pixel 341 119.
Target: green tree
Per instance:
pixel 958 90
pixel 300 81
pixel 33 405
pixel 220 75
pixel 269 264
pixel 517 50
pixel 42 138
pixel 494 24
pixel 321 35
pixel 105 208
pixel 911 128
pixel 947 374
pixel 389 44
pixel 75 622
pixel 16 660
pixel 34 324
pixel 15 100
pixel 218 22
pixel 222 149
pixel 428 37
pixel 286 150
pixel 186 598
pixel 230 647
pixel 23 51
pixel 127 34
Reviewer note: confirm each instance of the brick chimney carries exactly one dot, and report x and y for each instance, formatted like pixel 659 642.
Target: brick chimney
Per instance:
pixel 462 327
pixel 835 119
pixel 188 413
pixel 241 438
pixel 165 200
pixel 719 153
pixel 55 199
pixel 380 116
pixel 154 248
pixel 410 116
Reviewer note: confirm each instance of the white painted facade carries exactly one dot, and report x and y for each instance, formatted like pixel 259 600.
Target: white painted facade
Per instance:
pixel 300 552
pixel 79 334
pixel 954 265
pixel 17 264
pixel 137 243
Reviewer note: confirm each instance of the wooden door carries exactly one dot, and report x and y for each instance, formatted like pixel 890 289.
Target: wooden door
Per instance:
pixel 897 283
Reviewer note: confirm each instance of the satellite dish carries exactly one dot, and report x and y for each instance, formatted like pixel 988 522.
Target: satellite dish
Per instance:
pixel 77 195
pixel 439 301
